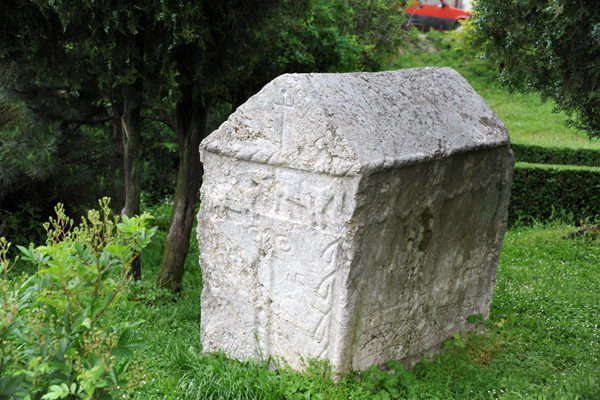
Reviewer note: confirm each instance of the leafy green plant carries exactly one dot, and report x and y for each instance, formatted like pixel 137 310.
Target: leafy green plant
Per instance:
pixel 393 382
pixel 62 330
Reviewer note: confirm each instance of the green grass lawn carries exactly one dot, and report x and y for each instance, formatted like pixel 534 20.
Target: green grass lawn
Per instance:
pixel 542 342
pixel 527 118
pixel 531 121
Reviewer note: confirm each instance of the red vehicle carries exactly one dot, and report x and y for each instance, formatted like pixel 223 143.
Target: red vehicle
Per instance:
pixel 442 17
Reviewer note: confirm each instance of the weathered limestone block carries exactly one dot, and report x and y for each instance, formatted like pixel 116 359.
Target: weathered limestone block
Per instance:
pixel 355 217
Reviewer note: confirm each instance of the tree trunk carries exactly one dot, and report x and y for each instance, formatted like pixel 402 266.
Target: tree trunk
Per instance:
pixel 116 163
pixel 131 122
pixel 191 129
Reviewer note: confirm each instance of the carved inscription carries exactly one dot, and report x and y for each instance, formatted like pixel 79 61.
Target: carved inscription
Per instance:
pixel 285 195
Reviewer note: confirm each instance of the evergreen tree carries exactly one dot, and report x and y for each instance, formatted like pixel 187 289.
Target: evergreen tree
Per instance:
pixel 169 60
pixel 550 47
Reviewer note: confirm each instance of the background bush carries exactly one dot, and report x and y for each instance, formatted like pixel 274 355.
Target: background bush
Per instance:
pixel 541 192
pixel 556 155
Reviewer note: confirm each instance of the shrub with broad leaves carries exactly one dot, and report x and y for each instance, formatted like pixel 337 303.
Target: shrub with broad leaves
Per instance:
pixel 61 329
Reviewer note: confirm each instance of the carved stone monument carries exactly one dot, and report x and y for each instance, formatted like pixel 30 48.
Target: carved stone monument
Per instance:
pixel 355 217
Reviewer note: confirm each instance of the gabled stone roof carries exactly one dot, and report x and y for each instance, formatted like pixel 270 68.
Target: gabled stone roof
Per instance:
pixel 353 123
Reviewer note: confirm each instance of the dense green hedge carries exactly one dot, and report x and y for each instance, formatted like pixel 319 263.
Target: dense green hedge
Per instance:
pixel 541 192
pixel 556 155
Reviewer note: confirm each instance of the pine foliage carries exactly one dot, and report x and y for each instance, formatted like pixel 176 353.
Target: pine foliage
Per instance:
pixel 550 47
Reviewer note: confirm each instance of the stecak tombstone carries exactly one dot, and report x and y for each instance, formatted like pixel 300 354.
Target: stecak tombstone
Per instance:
pixel 354 217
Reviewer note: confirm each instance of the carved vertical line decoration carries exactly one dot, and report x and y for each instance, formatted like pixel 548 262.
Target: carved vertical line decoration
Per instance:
pixel 284 103
pixel 325 298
